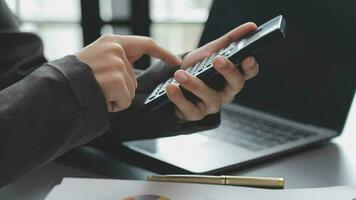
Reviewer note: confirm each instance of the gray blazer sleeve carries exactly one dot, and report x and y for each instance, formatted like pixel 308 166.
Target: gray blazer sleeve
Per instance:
pixel 57 107
pixel 46 109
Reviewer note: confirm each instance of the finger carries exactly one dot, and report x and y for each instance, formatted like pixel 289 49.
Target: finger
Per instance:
pixel 117 99
pixel 150 47
pixel 209 97
pixel 250 67
pixel 231 36
pixel 120 99
pixel 129 83
pixel 179 114
pixel 235 80
pixel 153 49
pixel 113 106
pixel 186 110
pixel 121 53
pixel 130 70
pixel 218 44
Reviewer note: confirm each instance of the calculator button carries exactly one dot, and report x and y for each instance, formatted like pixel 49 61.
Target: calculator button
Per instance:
pixel 161 92
pixel 190 70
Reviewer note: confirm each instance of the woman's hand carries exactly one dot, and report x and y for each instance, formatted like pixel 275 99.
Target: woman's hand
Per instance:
pixel 111 58
pixel 211 100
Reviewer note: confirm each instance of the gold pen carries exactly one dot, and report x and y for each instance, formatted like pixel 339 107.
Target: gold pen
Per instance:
pixel 258 182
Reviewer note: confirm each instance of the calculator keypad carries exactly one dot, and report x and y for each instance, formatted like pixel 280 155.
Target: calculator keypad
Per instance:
pixel 265 34
pixel 195 70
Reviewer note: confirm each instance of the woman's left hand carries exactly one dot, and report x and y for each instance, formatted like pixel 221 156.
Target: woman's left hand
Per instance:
pixel 210 99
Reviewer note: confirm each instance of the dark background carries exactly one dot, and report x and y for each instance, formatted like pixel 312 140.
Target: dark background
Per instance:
pixel 311 75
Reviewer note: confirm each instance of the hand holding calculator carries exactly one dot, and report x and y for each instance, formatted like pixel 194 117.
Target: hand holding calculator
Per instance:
pixel 265 35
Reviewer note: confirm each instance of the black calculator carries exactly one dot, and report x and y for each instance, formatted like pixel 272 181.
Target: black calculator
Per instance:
pixel 266 34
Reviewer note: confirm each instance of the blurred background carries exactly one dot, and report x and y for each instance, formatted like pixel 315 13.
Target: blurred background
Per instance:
pixel 67 25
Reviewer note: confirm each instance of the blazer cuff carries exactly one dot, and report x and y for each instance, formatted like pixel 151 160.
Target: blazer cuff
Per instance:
pixel 209 122
pixel 87 92
pixel 169 124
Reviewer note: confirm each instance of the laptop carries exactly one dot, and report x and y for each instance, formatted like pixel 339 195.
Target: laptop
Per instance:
pixel 300 98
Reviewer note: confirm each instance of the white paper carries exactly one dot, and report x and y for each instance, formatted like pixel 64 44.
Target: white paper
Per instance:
pixel 108 189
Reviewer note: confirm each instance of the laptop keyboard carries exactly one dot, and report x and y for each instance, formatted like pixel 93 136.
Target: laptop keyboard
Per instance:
pixel 256 134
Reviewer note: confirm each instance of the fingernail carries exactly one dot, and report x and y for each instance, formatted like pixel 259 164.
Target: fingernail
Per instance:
pixel 220 63
pixel 181 76
pixel 171 92
pixel 250 62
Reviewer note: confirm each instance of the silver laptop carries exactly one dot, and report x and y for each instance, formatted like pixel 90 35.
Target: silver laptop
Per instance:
pixel 300 98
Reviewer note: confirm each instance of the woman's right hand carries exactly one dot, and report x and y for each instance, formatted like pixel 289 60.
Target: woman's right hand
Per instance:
pixel 111 58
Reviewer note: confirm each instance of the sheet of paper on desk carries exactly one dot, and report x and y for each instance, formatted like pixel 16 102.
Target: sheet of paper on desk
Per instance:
pixel 105 189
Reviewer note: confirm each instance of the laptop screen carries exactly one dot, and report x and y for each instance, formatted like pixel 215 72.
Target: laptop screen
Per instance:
pixel 310 76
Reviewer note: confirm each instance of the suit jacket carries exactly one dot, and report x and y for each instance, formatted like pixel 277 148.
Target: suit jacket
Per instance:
pixel 48 108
